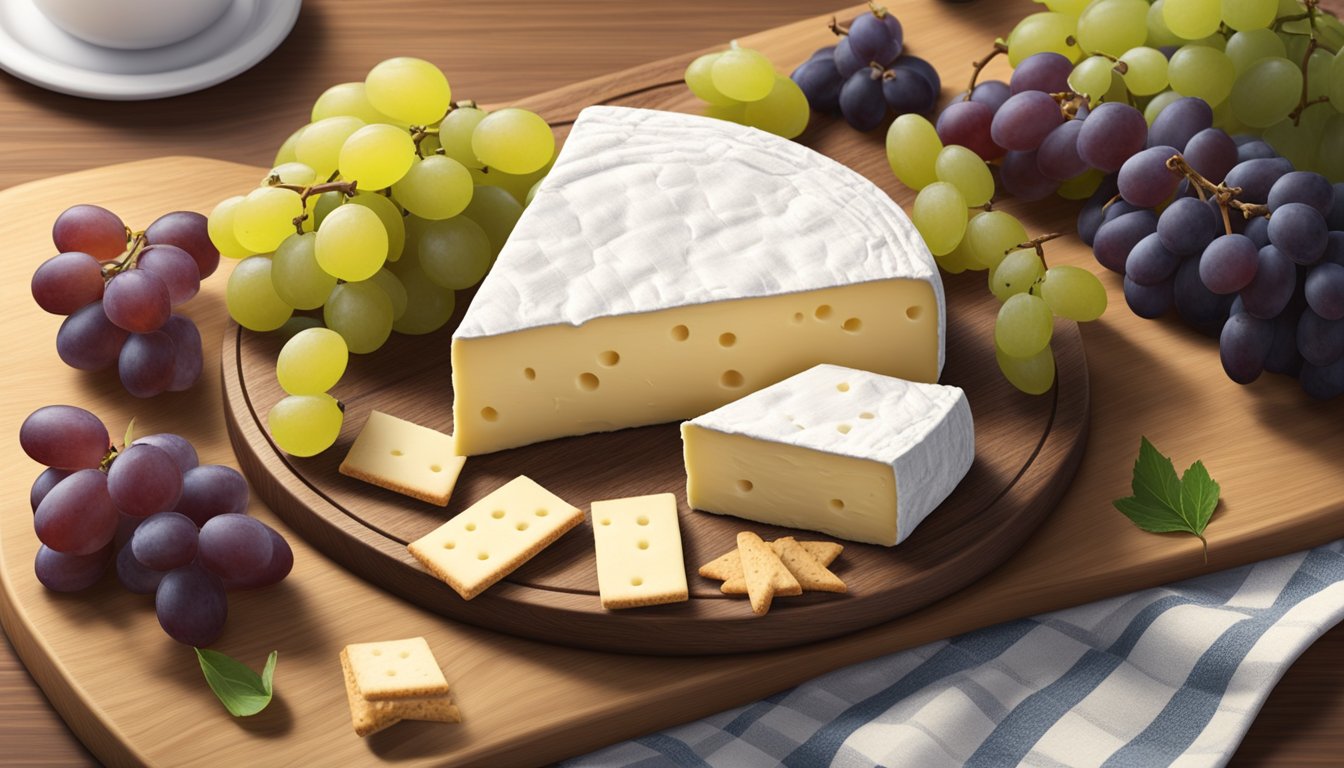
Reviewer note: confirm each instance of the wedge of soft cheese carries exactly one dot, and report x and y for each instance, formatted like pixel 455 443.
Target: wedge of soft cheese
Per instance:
pixel 854 454
pixel 670 264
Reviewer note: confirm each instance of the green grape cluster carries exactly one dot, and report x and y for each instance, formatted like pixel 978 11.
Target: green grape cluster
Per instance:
pixel 952 182
pixel 741 85
pixel 392 199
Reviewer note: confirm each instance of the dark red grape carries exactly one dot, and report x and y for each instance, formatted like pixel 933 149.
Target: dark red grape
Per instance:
pixel 126 527
pixel 88 341
pixel 1058 158
pixel 1179 121
pixel 1243 345
pixel 876 38
pixel 967 124
pixel 187 344
pixel 175 267
pixel 1229 264
pixel 90 229
pixel 1325 290
pixel 282 561
pixel 77 516
pixel 1021 176
pixel 165 541
pixel 1112 133
pixel 144 480
pixel 134 575
pixel 1212 153
pixel 62 572
pixel 44 483
pixel 146 364
pixel 1144 178
pixel 177 446
pixel 67 281
pixel 191 605
pixel 137 300
pixel 1024 120
pixel 64 436
pixel 211 490
pixel 186 230
pixel 234 546
pixel 991 93
pixel 1047 72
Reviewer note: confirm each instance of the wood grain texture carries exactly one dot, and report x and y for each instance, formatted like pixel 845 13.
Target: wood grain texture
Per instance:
pixel 1303 723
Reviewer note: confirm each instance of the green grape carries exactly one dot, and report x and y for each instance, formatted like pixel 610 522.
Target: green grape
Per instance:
pixel 454 253
pixel 964 170
pixel 1146 71
pixel 742 74
pixel 1228 122
pixel 428 306
pixel 939 214
pixel 396 292
pixel 1016 273
pixel 393 222
pixel 305 425
pixel 1159 103
pixel 912 150
pixel 1266 92
pixel 326 203
pixel 311 362
pixel 319 147
pixel 299 281
pixel 1193 19
pixel 699 78
pixel 295 173
pixel 347 100
pixel 1092 77
pixel 532 193
pixel 1158 33
pixel 513 140
pixel 251 298
pixel 437 187
pixel 1207 73
pixel 1118 91
pixel 496 212
pixel 294 325
pixel 415 226
pixel 733 113
pixel 1330 30
pixel 286 153
pixel 455 135
pixel 1249 14
pixel 219 225
pixel 1070 7
pixel 1112 26
pixel 1300 144
pixel 410 90
pixel 361 312
pixel 958 260
pixel 1330 155
pixel 1033 375
pixel 1024 325
pixel 783 112
pixel 351 244
pixel 1082 186
pixel 430 144
pixel 1073 293
pixel 990 235
pixel 1040 32
pixel 517 185
pixel 1246 48
pixel 376 156
pixel 265 217
pixel 1318 74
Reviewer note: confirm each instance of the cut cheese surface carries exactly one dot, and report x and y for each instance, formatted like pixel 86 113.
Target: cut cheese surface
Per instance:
pixel 670 264
pixel 639 558
pixel 850 453
pixel 404 457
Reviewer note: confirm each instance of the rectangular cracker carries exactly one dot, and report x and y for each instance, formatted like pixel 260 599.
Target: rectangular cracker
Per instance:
pixel 490 539
pixel 728 566
pixel 639 557
pixel 396 669
pixel 369 717
pixel 407 458
pixel 765 573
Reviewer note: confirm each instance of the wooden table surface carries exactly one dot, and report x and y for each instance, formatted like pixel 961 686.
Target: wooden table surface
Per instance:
pixel 492 51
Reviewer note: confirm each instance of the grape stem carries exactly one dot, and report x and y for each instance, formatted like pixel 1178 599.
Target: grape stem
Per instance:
pixel 1069 103
pixel 127 260
pixel 347 188
pixel 838 30
pixel 978 66
pixel 878 10
pixel 1302 103
pixel 1225 195
pixel 1036 243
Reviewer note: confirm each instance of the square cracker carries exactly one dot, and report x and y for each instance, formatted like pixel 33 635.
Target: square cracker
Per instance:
pixel 396 669
pixel 369 717
pixel 400 456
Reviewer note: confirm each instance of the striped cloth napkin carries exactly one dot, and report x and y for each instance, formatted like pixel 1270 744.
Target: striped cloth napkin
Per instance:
pixel 1166 676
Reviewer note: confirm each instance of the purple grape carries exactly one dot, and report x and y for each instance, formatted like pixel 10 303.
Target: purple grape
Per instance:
pixel 1324 292
pixel 1024 120
pixel 126 527
pixel 1283 355
pixel 282 561
pixel 967 123
pixel 191 606
pixel 1150 301
pixel 147 363
pixel 137 300
pixel 1229 264
pixel 1299 232
pixel 1093 214
pixel 1111 134
pixel 1323 383
pixel 1022 178
pixel 1202 309
pixel 88 341
pixel 1243 345
pixel 991 93
pixel 1334 249
pixel 924 69
pixel 1145 180
pixel 189 358
pixel 1258 230
pixel 144 480
pixel 1187 226
pixel 211 490
pixel 134 576
pixel 1179 121
pixel 186 230
pixel 1058 156
pixel 90 229
pixel 1272 287
pixel 1304 187
pixel 176 446
pixel 1254 150
pixel 77 516
pixel 1336 216
pixel 63 572
pixel 1256 178
pixel 165 541
pixel 1117 237
pixel 234 546
pixel 861 100
pixel 846 63
pixel 65 437
pixel 1149 263
pixel 67 281
pixel 44 483
pixel 820 82
pixel 875 38
pixel 1046 72
pixel 906 91
pixel 1212 153
pixel 1320 341
pixel 175 267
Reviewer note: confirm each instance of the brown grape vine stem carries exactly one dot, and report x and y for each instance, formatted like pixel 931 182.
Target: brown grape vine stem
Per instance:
pixel 347 188
pixel 1225 195
pixel 977 67
pixel 136 243
pixel 1036 243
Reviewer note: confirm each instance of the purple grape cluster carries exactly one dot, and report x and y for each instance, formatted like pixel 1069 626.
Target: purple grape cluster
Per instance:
pixel 119 292
pixel 174 528
pixel 867 76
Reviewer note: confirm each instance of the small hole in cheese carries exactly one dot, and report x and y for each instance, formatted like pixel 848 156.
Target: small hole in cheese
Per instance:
pixel 541 512
pixel 798 317
pixel 843 429
pixel 435 468
pixel 914 312
pixel 529 374
pixel 483 556
pixel 405 654
pixel 588 382
pixel 842 386
pixel 609 358
pixel 471 526
pixel 836 505
pixel 731 379
pixel 377 652
pixel 822 312
pixel 522 525
pixel 866 415
pixel 642 520
pixel 643 544
pixel 635 582
pixel 489 414
pixel 448 545
pixel 396 452
pixel 391 673
pixel 498 514
pixel 852 325
pixel 606 521
pixel 727 339
pixel 744 485
pixel 681 332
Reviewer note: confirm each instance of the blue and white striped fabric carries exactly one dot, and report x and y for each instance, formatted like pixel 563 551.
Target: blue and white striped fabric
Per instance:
pixel 1166 676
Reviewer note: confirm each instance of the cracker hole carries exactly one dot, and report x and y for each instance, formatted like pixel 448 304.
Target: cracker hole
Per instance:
pixel 843 429
pixel 377 652
pixel 732 379
pixel 609 358
pixel 727 339
pixel 449 545
pixel 471 526
pixel 866 415
pixel 522 525
pixel 435 468
pixel 836 505
pixel 642 520
pixel 852 325
pixel 914 312
pixel 498 514
pixel 744 485
pixel 681 332
pixel 483 556
pixel 489 414
pixel 643 544
pixel 541 512
pixel 396 452
pixel 822 312
pixel 530 374
pixel 636 582
pixel 606 521
pixel 405 654
pixel 588 382
pixel 391 673
pixel 842 386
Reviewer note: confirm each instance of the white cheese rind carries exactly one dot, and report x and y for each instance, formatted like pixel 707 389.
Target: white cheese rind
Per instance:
pixel 923 432
pixel 648 210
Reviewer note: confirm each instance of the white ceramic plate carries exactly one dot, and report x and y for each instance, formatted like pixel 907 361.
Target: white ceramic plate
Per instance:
pixel 36 50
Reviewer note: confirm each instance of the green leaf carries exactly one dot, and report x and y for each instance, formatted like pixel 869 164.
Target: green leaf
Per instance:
pixel 1155 477
pixel 242 691
pixel 1199 495
pixel 1164 503
pixel 130 434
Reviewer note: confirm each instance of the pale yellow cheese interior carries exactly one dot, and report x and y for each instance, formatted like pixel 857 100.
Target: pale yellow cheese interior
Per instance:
pixel 779 484
pixel 616 372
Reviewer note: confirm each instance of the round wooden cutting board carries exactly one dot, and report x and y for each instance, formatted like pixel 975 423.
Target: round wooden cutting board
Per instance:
pixel 1027 449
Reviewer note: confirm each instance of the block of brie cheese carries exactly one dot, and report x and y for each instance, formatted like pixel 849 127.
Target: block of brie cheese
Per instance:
pixel 671 263
pixel 858 455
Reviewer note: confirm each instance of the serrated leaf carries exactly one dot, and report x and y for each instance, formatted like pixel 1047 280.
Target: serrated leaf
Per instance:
pixel 1150 517
pixel 1155 477
pixel 1165 503
pixel 242 691
pixel 1199 495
